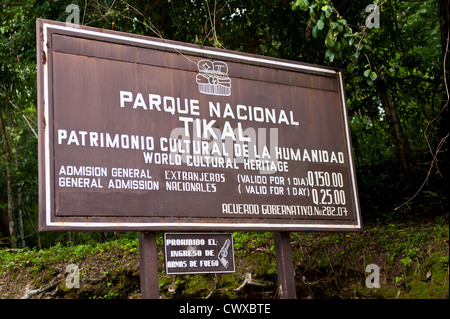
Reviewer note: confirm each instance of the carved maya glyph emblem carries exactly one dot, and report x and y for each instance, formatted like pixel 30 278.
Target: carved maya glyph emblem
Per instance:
pixel 213 78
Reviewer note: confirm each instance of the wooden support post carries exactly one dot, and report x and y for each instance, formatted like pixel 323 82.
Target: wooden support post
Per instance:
pixel 285 267
pixel 148 265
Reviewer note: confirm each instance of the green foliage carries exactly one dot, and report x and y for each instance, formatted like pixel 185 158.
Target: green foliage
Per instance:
pixel 393 60
pixel 324 23
pixel 412 258
pixel 35 259
pixel 252 240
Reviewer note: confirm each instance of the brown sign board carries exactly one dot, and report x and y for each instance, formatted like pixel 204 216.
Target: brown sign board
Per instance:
pixel 139 133
pixel 198 253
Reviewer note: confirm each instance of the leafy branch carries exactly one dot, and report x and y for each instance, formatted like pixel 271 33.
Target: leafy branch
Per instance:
pixel 326 23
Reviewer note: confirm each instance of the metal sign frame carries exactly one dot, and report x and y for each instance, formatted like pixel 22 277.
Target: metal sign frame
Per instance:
pixel 216 73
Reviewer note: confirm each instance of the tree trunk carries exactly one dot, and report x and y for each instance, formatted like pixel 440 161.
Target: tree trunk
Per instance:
pixel 19 206
pixel 394 126
pixel 444 12
pixel 10 210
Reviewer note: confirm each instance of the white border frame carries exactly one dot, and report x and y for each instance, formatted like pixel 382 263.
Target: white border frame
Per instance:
pixel 185 225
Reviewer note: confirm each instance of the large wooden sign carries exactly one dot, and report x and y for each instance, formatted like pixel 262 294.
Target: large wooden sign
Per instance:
pixel 138 133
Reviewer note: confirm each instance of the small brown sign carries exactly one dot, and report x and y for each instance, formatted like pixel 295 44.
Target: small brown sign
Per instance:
pixel 138 133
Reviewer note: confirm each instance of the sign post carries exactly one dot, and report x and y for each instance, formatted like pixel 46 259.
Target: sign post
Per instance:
pixel 148 265
pixel 145 134
pixel 285 267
